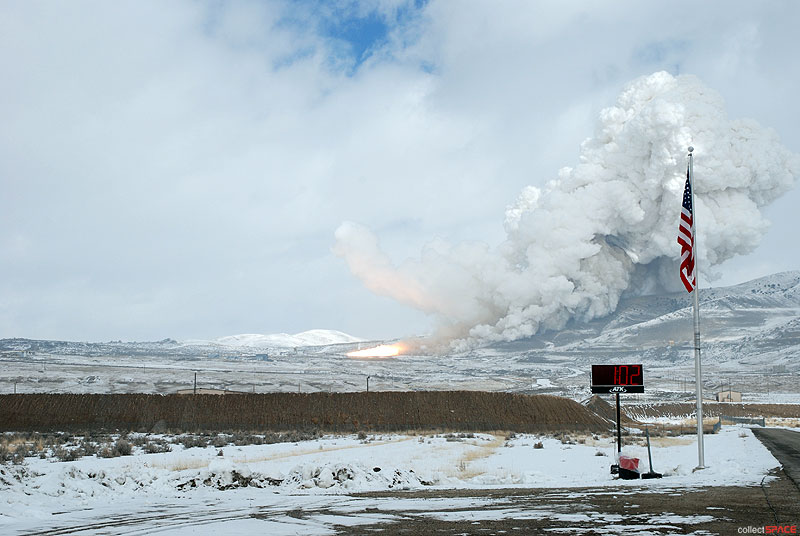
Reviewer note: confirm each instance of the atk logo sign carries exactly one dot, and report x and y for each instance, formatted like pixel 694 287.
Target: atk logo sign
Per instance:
pixel 617 389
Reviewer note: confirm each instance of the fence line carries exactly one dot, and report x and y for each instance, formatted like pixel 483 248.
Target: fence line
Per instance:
pixel 739 420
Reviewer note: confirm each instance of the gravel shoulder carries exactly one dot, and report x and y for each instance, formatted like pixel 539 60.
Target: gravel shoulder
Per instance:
pixel 632 510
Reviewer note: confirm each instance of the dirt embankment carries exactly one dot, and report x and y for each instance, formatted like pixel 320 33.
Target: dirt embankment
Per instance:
pixel 327 412
pixel 597 405
pixel 679 410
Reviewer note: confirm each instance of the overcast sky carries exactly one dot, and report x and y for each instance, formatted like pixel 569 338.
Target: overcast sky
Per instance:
pixel 178 169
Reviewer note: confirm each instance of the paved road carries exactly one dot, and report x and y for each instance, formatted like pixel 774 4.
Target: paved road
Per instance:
pixel 785 446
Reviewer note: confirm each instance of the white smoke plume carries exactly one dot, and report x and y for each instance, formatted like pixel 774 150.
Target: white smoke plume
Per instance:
pixel 602 229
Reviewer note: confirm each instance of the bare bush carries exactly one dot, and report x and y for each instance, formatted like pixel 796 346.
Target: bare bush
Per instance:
pixel 138 440
pixel 89 448
pixel 123 448
pixel 221 440
pixel 120 448
pixel 157 446
pixel 193 441
pixel 239 439
pixel 67 455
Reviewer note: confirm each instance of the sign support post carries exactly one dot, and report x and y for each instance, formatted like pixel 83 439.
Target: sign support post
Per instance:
pixel 619 431
pixel 617 379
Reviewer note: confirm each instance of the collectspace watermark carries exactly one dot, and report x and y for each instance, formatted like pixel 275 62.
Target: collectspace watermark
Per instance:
pixel 769 529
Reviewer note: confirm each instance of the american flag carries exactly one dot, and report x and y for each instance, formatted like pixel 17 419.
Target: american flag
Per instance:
pixel 686 238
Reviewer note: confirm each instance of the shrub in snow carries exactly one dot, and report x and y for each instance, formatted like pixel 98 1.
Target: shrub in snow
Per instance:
pixel 67 455
pixel 239 439
pixel 220 441
pixel 7 455
pixel 122 448
pixel 459 437
pixel 157 446
pixel 538 445
pixel 88 448
pixel 193 441
pixel 138 440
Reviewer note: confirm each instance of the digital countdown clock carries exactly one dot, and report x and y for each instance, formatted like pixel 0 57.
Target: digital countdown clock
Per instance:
pixel 617 379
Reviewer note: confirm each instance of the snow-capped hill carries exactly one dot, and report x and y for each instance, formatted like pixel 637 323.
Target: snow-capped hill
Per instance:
pixel 782 289
pixel 314 337
pixel 755 321
pixel 321 337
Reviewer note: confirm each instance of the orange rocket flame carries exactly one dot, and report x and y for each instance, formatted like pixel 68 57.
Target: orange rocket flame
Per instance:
pixel 384 350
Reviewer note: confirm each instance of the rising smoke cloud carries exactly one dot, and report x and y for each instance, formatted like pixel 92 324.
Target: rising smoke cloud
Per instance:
pixel 601 230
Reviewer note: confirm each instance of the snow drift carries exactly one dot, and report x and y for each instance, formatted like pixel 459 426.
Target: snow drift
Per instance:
pixel 602 229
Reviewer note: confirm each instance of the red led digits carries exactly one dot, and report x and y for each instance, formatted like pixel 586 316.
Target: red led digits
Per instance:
pixel 617 378
pixel 621 375
pixel 636 378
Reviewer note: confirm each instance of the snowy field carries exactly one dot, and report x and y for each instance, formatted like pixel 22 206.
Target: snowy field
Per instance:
pixel 255 489
pixel 328 369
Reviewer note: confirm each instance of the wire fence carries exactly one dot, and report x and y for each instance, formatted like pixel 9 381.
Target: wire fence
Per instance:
pixel 738 420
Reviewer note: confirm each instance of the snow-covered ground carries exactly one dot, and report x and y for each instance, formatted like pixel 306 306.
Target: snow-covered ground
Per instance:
pixel 190 484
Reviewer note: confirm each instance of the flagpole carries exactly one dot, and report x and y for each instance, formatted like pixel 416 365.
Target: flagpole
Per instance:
pixel 698 374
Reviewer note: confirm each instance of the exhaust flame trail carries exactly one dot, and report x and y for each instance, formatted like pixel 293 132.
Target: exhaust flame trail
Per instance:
pixel 383 350
pixel 601 230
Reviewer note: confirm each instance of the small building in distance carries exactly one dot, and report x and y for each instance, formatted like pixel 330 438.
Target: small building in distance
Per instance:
pixel 729 396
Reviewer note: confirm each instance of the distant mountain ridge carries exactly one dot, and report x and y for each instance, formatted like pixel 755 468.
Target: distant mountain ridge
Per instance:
pixel 757 322
pixel 223 346
pixel 759 319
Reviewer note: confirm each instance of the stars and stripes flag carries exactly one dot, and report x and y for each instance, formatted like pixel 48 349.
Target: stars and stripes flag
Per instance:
pixel 686 238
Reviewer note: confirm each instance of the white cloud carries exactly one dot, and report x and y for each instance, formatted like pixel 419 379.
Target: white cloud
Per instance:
pixel 177 169
pixel 604 228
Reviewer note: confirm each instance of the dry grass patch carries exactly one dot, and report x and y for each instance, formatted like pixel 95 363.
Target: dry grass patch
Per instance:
pixel 481 450
pixel 181 464
pixel 671 441
pixel 790 422
pixel 307 452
